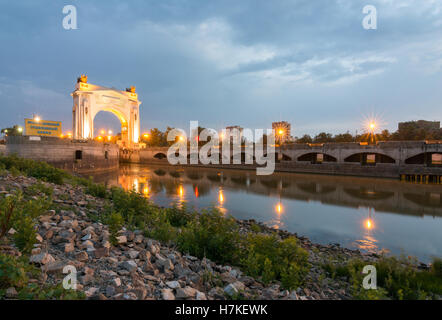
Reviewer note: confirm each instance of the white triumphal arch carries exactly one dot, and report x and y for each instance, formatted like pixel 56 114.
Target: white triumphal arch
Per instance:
pixel 90 99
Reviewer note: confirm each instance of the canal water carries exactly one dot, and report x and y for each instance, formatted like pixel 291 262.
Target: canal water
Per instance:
pixel 371 215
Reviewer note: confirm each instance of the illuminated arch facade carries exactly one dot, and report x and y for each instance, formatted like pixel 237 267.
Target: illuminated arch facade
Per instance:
pixel 90 99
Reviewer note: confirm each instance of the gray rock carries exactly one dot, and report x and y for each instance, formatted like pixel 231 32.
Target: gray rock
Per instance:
pixel 129 265
pixel 69 247
pixel 122 239
pixel 164 263
pixel 11 293
pixel 185 293
pixel 116 282
pixel 167 294
pixel 231 290
pixel 42 258
pixel 82 256
pixel 293 295
pixel 200 296
pixel 87 237
pixel 173 284
pixel 133 254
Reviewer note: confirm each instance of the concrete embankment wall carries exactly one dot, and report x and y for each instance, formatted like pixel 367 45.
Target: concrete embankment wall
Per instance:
pixel 72 155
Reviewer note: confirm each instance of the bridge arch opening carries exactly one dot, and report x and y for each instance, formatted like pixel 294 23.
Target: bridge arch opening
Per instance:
pixel 426 158
pixel 316 157
pixel 160 156
pixel 366 158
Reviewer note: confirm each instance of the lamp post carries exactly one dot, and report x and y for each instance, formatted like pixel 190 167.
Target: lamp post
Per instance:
pixel 372 126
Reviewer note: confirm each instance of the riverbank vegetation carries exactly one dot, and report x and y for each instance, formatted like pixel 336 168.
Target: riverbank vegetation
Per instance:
pixel 207 234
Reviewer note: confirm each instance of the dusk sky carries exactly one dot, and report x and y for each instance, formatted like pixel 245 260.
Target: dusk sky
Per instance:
pixel 227 62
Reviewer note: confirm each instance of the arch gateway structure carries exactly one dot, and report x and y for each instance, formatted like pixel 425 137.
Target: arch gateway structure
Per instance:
pixel 89 99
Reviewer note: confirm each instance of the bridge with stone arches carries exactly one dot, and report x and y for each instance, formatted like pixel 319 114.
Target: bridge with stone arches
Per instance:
pixel 417 161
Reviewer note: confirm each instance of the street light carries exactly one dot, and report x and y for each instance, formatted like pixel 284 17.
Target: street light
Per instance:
pixel 37 119
pixel 372 126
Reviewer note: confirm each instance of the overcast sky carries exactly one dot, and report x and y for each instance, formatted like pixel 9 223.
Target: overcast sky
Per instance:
pixel 227 62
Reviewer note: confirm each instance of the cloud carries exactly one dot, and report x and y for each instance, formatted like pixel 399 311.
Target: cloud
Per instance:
pixel 227 61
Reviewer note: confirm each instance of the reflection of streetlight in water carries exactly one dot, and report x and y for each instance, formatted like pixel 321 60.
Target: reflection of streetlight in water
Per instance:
pixel 368 224
pixel 279 208
pixel 221 197
pixel 181 191
pixel 221 200
pixel 276 222
pixel 368 242
pixel 146 191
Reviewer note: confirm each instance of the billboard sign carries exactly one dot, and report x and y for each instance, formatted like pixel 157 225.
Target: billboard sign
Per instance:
pixel 42 128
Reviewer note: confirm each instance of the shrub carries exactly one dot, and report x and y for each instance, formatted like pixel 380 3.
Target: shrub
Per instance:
pixel 6 215
pixel 179 216
pixel 270 258
pixel 129 203
pixel 159 227
pixel 211 235
pixel 96 190
pixel 40 188
pixel 436 267
pixel 15 272
pixel 37 169
pixel 20 215
pixel 115 222
pixel 397 278
pixel 25 237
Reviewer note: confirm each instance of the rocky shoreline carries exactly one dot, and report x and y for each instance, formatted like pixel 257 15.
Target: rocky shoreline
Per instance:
pixel 139 268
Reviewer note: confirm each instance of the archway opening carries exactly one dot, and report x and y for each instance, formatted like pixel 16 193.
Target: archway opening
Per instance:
pixel 317 158
pixel 110 126
pixel 369 158
pixel 160 156
pixel 426 158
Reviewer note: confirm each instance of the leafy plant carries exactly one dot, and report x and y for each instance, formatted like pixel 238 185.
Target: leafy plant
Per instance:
pixel 115 222
pixel 211 235
pixel 270 258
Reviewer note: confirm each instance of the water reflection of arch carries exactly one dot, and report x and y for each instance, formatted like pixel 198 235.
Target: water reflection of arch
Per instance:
pixel 192 175
pixel 175 174
pixel 214 177
pixel 275 184
pixel 428 199
pixel 160 172
pixel 368 194
pixel 316 188
pixel 243 180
